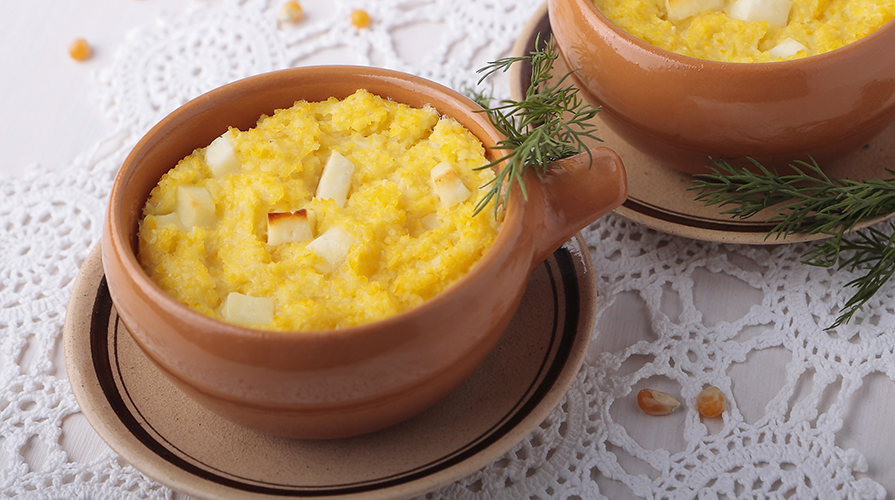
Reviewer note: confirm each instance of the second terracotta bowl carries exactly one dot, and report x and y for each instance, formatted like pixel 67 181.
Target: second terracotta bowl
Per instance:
pixel 328 384
pixel 681 110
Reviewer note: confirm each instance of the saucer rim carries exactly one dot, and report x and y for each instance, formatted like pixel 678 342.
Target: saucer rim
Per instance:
pixel 82 356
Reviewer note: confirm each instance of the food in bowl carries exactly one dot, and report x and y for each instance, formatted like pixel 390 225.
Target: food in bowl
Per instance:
pixel 325 215
pixel 748 30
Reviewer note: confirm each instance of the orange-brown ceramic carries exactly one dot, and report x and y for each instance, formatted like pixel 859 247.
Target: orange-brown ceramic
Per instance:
pixel 683 110
pixel 329 384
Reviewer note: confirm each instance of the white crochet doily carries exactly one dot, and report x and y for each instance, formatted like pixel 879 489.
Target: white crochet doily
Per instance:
pixel 674 314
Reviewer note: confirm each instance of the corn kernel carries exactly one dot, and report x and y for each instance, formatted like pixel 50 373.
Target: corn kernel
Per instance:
pixel 710 402
pixel 656 402
pixel 291 12
pixel 360 18
pixel 79 50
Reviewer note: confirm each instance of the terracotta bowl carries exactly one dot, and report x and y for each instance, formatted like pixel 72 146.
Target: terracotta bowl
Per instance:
pixel 339 383
pixel 681 110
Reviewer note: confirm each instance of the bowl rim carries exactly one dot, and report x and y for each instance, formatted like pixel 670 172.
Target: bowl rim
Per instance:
pixel 509 227
pixel 799 64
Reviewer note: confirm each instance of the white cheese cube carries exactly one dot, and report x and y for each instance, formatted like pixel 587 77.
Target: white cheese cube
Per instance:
pixel 247 310
pixel 787 48
pixel 220 155
pixel 775 12
pixel 448 185
pixel 333 247
pixel 194 206
pixel 336 179
pixel 172 218
pixel 288 227
pixel 678 10
pixel 431 221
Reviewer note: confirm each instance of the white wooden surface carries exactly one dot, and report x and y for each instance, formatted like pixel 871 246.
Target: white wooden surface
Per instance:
pixel 48 113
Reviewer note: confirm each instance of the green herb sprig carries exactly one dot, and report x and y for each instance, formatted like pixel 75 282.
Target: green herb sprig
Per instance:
pixel 810 202
pixel 550 123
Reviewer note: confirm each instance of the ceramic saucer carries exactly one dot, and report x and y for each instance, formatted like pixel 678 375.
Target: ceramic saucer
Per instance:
pixel 659 197
pixel 173 440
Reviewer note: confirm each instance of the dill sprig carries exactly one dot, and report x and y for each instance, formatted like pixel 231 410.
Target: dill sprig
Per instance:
pixel 873 252
pixel 810 202
pixel 480 97
pixel 550 123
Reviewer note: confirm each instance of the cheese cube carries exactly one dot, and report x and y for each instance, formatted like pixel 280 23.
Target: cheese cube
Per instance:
pixel 172 218
pixel 332 246
pixel 431 221
pixel 336 179
pixel 787 48
pixel 448 185
pixel 288 227
pixel 247 310
pixel 678 10
pixel 775 12
pixel 194 206
pixel 220 155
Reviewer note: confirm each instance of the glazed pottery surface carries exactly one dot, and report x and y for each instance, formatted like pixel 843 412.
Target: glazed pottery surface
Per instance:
pixel 345 382
pixel 682 110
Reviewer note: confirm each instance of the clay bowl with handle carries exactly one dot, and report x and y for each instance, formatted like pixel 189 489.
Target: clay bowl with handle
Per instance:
pixel 344 382
pixel 681 110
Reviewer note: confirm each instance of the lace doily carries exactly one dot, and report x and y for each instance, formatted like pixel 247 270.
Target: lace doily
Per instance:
pixel 674 314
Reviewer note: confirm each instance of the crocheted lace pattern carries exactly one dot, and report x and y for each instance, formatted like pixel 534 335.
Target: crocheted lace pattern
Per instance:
pixel 656 327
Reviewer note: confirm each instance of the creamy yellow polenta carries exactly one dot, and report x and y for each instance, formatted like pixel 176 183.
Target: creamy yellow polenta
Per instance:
pixel 408 246
pixel 818 25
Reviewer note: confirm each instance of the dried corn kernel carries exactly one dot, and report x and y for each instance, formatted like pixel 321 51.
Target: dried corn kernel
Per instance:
pixel 360 18
pixel 656 403
pixel 79 50
pixel 291 12
pixel 710 402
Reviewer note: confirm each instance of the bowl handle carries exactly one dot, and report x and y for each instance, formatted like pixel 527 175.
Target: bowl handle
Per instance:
pixel 577 194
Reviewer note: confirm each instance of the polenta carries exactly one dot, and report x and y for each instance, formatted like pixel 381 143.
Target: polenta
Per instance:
pixel 325 215
pixel 748 31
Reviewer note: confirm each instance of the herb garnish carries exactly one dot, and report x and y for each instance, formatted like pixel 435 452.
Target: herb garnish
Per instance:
pixel 549 124
pixel 808 201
